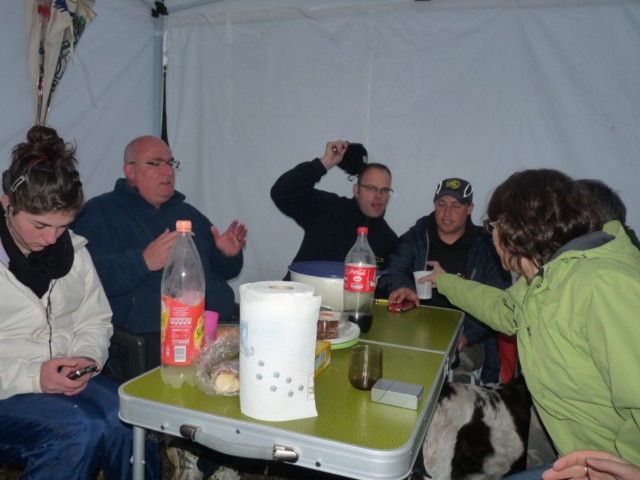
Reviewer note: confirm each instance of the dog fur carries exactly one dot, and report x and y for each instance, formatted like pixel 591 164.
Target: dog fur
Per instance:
pixel 478 433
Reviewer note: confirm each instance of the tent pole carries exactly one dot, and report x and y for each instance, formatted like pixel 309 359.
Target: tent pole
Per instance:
pixel 158 79
pixel 159 13
pixel 194 4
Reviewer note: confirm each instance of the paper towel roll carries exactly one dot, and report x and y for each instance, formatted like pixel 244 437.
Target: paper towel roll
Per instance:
pixel 277 347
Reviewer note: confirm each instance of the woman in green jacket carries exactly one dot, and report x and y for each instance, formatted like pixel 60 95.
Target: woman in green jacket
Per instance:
pixel 574 309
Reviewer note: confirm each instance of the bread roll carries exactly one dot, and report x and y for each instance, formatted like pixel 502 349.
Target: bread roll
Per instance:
pixel 227 382
pixel 223 378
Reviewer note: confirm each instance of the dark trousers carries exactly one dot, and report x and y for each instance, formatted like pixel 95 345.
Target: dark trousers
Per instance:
pixel 54 436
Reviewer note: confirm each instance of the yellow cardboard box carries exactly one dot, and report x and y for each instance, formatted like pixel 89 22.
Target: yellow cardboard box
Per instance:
pixel 323 356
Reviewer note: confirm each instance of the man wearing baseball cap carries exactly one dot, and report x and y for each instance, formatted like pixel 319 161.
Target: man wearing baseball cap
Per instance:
pixel 449 237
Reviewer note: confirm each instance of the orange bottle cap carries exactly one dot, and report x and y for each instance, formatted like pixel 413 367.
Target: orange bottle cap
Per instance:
pixel 183 225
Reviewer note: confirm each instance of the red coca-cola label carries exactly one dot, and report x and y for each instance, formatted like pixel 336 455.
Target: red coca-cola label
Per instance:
pixel 360 278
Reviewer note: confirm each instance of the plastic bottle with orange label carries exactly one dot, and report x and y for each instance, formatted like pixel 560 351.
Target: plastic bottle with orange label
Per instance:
pixel 182 309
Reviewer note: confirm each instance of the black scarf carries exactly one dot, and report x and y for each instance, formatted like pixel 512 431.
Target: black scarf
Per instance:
pixel 38 269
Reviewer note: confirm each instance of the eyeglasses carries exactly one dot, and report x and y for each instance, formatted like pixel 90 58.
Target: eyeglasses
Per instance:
pixel 489 225
pixel 158 163
pixel 374 189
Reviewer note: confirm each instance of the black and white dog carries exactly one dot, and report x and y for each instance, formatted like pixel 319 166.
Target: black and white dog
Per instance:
pixel 478 433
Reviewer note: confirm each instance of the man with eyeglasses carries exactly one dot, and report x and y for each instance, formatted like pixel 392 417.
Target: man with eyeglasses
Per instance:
pixel 330 221
pixel 449 237
pixel 131 230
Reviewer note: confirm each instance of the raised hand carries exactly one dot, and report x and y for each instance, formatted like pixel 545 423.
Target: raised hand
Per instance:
pixel 231 242
pixel 333 153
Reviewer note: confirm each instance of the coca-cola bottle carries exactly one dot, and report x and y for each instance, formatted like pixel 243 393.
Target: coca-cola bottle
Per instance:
pixel 360 282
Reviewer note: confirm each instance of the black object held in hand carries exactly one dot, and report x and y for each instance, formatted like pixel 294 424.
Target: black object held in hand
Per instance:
pixel 82 371
pixel 354 158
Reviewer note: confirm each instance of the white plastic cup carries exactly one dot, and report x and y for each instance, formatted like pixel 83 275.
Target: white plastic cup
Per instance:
pixel 423 289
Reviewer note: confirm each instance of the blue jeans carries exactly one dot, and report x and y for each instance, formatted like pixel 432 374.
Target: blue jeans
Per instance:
pixel 531 474
pixel 56 437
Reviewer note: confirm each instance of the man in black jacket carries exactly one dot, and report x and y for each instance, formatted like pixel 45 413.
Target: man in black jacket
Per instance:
pixel 330 221
pixel 449 237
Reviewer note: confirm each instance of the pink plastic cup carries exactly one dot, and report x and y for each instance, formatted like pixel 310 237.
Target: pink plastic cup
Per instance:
pixel 210 325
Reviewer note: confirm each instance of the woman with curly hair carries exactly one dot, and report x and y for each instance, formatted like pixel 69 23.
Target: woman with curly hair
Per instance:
pixel 574 309
pixel 54 320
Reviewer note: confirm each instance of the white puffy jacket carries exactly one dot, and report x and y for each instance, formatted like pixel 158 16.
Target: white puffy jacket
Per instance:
pixel 79 322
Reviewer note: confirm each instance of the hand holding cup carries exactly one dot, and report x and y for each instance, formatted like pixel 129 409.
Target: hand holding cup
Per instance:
pixel 423 287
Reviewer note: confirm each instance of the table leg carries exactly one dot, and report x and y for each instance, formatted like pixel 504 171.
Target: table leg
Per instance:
pixel 138 453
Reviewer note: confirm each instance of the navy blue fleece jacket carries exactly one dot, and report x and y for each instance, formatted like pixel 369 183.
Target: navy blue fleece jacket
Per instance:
pixel 119 225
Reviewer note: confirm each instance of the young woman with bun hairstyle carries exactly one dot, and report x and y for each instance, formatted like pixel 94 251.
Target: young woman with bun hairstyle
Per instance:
pixel 54 320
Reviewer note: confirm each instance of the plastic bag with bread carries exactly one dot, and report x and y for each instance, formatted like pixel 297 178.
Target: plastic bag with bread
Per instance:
pixel 217 364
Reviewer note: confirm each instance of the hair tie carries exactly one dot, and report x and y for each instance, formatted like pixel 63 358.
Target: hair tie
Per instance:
pixel 37 160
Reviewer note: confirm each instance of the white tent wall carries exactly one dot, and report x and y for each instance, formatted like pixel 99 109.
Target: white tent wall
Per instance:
pixel 471 88
pixel 475 88
pixel 105 97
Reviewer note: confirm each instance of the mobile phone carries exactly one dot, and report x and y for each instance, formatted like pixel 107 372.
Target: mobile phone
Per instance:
pixel 82 371
pixel 401 307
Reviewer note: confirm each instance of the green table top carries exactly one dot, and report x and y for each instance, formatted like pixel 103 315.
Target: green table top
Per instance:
pixel 345 414
pixel 426 328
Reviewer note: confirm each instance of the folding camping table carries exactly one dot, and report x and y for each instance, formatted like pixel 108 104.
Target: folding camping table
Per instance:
pixel 351 436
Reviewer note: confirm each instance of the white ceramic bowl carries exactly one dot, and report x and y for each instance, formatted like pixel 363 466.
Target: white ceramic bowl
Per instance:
pixel 326 278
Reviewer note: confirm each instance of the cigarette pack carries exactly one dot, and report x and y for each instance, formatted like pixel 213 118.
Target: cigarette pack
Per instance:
pixel 398 394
